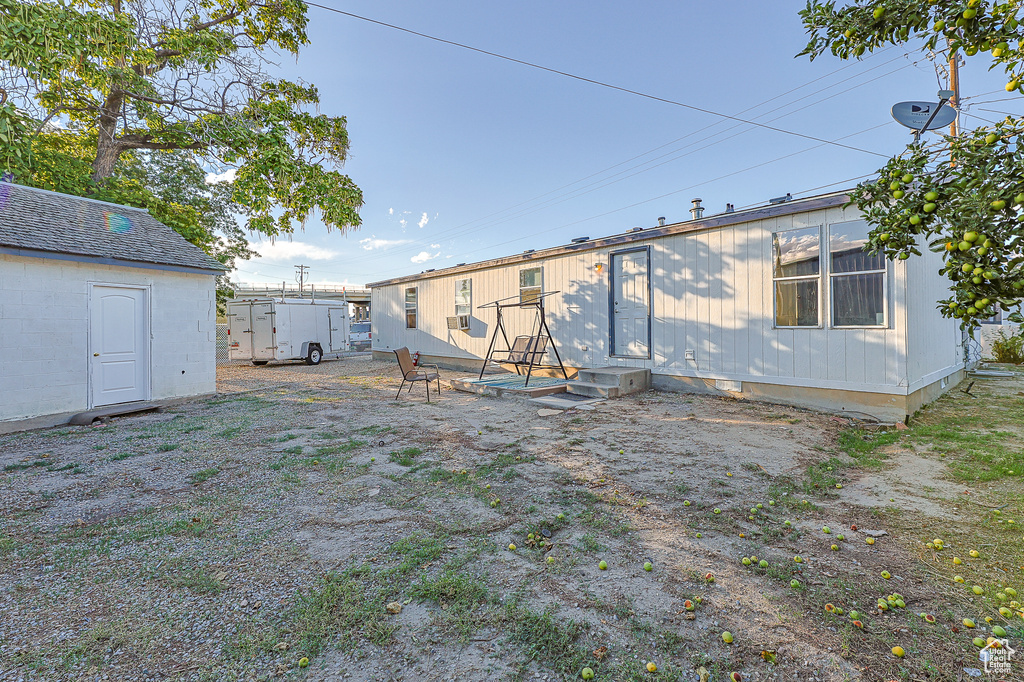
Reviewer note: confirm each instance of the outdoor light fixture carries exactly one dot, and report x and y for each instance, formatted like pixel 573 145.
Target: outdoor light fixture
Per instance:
pixel 598 267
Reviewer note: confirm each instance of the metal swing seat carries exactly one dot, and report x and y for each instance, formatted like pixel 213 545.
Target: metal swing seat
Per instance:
pixel 525 350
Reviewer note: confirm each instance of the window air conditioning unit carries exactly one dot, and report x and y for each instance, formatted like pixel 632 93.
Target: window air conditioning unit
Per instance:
pixel 459 322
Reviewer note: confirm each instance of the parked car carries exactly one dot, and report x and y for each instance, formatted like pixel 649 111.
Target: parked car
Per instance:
pixel 359 336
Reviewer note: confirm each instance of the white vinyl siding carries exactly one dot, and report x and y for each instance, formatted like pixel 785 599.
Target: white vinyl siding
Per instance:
pixel 712 294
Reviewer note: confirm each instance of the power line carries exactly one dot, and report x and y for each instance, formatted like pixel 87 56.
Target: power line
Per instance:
pixel 593 81
pixel 599 184
pixel 684 189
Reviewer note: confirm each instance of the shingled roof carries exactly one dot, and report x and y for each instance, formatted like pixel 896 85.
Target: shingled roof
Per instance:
pixel 38 220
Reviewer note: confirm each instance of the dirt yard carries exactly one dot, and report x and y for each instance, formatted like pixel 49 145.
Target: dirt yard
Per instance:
pixel 305 525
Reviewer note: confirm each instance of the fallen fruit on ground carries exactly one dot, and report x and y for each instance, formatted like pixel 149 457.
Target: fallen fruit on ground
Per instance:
pixel 998 631
pixel 898 652
pixel 587 674
pixel 870 541
pixel 689 605
pixel 974 553
pixel 727 637
pixel 648 566
pixel 929 617
pixel 968 623
pixel 794 583
pixel 303 662
pixel 979 642
pixel 763 563
pixel 858 624
pixel 511 547
pixel 978 589
pixel 603 565
pixel 855 615
pixel 710 577
pixel 886 575
pixel 651 668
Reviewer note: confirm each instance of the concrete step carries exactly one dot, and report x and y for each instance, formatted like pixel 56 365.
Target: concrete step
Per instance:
pixel 625 379
pixel 594 390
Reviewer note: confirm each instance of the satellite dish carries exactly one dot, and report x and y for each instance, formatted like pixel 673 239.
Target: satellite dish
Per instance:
pixel 915 115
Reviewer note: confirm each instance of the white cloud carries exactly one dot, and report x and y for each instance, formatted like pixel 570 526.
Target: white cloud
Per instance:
pixel 435 246
pixel 371 243
pixel 424 256
pixel 391 211
pixel 423 221
pixel 403 222
pixel 226 176
pixel 289 251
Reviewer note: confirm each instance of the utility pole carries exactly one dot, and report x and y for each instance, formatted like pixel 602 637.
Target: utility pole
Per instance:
pixel 300 276
pixel 954 85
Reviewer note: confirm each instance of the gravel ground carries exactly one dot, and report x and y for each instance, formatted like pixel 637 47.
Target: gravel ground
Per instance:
pixel 229 538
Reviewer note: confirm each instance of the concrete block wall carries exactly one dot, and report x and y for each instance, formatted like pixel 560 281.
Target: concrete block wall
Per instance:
pixel 44 333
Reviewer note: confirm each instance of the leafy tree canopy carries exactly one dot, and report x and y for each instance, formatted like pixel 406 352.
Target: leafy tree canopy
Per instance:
pixel 132 78
pixel 973 208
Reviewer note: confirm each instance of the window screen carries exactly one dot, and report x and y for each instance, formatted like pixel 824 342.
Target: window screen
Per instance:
pixel 463 296
pixel 857 277
pixel 530 284
pixel 410 308
pixel 797 276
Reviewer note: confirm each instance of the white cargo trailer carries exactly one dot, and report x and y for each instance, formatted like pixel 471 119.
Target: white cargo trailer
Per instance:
pixel 265 329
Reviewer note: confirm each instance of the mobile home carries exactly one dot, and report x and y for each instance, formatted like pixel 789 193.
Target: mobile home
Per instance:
pixel 778 303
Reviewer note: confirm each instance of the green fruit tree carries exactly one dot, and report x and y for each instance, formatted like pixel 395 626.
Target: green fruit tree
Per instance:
pixel 972 210
pixel 139 78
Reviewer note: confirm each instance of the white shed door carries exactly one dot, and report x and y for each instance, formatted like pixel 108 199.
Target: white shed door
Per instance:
pixel 118 347
pixel 630 304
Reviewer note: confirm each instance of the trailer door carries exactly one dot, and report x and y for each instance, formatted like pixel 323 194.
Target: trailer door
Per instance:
pixel 264 331
pixel 239 331
pixel 337 319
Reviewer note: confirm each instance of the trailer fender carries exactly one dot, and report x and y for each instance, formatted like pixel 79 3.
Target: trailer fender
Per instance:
pixel 312 352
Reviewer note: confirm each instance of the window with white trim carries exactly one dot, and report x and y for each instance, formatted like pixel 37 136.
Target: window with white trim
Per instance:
pixel 463 296
pixel 410 308
pixel 796 255
pixel 531 284
pixel 856 277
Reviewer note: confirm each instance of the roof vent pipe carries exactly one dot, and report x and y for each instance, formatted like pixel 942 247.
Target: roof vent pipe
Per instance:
pixel 697 210
pixel 661 221
pixel 729 208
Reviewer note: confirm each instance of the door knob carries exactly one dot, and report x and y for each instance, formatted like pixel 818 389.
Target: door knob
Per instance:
pixel 95 355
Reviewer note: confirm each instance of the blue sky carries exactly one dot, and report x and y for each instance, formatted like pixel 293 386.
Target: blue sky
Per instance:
pixel 463 157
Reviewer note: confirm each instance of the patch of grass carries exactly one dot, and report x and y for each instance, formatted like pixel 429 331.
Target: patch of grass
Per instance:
pixel 202 476
pixel 293 450
pixel 283 439
pixel 124 454
pixel 375 430
pixel 167 447
pixel 460 597
pixel 574 441
pixel 589 544
pixel 414 552
pixel 340 609
pixel 70 466
pixel 863 446
pixel 405 456
pixel 195 579
pixel 7 545
pixel 26 465
pixel 341 448
pixel 546 640
pixel 230 433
